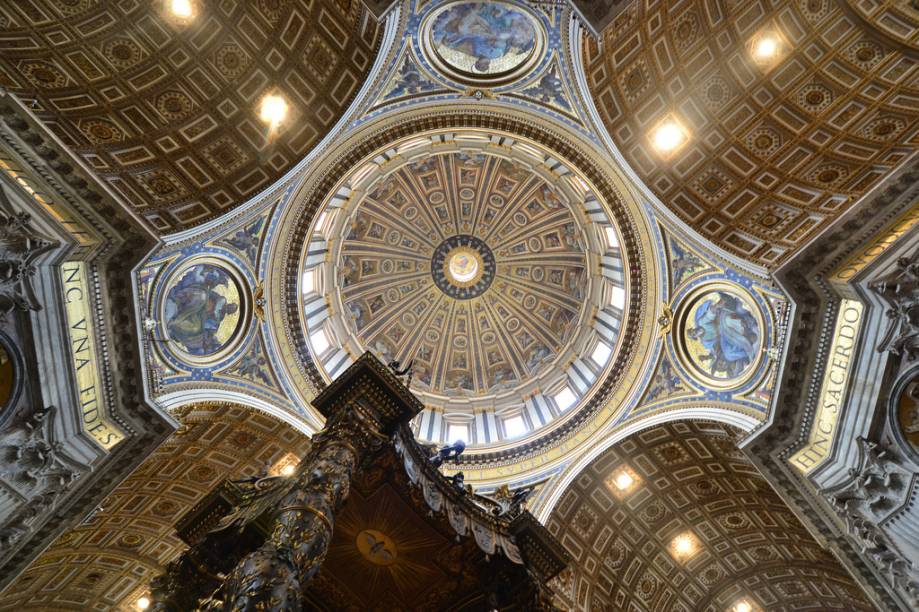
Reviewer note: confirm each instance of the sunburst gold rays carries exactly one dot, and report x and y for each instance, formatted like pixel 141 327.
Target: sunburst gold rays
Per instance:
pixel 415 547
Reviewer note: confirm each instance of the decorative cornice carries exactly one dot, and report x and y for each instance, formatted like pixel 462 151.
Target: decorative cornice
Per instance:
pixel 804 279
pixel 126 242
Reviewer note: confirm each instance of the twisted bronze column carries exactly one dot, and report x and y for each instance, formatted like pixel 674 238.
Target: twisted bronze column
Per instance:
pixel 363 408
pixel 273 576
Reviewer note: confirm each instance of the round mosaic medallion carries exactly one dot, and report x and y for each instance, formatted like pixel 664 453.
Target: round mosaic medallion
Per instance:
pixel 463 267
pixel 720 335
pixel 202 310
pixel 483 41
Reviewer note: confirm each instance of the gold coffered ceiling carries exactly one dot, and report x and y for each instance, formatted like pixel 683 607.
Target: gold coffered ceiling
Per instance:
pixel 166 111
pixel 108 561
pixel 777 151
pixel 688 480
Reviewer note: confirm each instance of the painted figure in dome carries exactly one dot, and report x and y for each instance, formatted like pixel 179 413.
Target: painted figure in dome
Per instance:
pixel 198 305
pixel 728 331
pixel 485 32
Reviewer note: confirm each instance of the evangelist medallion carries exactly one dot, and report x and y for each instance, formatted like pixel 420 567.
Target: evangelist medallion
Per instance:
pixel 720 335
pixel 483 41
pixel 202 310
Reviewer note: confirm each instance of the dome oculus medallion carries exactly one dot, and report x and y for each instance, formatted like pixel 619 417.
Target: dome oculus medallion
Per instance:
pixel 463 267
pixel 485 266
pixel 203 309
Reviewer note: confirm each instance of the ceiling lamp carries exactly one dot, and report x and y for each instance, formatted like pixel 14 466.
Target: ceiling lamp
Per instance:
pixel 273 110
pixel 622 481
pixel 285 466
pixel 143 603
pixel 182 9
pixel 767 48
pixel 668 136
pixel 742 606
pixel 684 546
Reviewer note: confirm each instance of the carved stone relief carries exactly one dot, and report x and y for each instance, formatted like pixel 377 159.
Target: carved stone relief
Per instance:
pixel 20 248
pixel 900 290
pixel 877 490
pixel 34 472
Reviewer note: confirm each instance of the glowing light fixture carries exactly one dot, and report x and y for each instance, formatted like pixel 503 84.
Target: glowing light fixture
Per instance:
pixel 684 546
pixel 766 47
pixel 624 480
pixel 285 466
pixel 669 136
pixel 273 110
pixel 742 606
pixel 143 603
pixel 184 10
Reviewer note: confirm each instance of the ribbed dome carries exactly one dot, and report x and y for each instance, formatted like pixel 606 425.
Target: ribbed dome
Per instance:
pixel 470 264
pixel 487 264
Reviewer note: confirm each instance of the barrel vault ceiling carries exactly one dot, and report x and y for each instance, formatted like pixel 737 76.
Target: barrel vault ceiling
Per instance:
pixel 778 151
pixel 107 562
pixel 166 111
pixel 689 477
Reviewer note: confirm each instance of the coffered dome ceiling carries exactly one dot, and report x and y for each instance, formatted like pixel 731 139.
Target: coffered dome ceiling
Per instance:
pixel 167 111
pixel 417 256
pixel 777 150
pixel 486 262
pixel 688 482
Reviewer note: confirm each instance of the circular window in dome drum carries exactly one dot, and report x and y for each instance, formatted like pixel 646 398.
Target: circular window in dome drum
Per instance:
pixel 483 42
